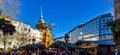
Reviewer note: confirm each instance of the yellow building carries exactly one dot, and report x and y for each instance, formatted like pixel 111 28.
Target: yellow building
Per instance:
pixel 47 37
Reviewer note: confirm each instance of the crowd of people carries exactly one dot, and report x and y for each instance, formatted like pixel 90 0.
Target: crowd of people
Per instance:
pixel 46 52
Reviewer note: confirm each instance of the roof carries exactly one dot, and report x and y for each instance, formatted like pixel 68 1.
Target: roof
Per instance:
pixel 104 42
pixel 78 26
pixel 96 18
pixel 7 17
pixel 99 17
pixel 58 38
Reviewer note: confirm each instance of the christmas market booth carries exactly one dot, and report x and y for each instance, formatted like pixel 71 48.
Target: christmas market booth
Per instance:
pixel 105 47
pixel 88 45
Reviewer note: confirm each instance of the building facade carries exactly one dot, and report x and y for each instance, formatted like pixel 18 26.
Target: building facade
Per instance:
pixel 117 9
pixel 59 39
pixel 96 29
pixel 74 34
pixel 47 40
pixel 23 35
pixel 93 30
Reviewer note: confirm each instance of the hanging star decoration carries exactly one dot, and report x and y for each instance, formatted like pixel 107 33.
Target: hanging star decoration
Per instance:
pixel 6 27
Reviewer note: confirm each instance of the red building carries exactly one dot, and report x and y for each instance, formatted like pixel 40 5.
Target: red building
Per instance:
pixel 117 9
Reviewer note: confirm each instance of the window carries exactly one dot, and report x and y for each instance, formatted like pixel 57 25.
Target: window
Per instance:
pixel 103 20
pixel 109 30
pixel 106 31
pixel 97 32
pixel 100 27
pixel 100 21
pixel 23 24
pixel 100 32
pixel 111 19
pixel 96 27
pixel 104 26
pixel 103 31
pixel 15 22
pixel 29 30
pixel 9 43
pixel 118 7
pixel 25 29
pixel 117 0
pixel 107 19
pixel 20 24
pixel 108 36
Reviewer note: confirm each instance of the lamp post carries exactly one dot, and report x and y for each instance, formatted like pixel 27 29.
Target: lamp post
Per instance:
pixel 33 40
pixel 28 41
pixel 66 38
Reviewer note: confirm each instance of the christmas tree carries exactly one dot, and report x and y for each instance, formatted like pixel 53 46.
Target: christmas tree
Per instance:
pixel 6 27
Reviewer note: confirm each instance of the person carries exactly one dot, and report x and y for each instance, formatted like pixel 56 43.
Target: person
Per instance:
pixel 72 52
pixel 76 52
pixel 38 51
pixel 0 53
pixel 14 53
pixel 64 52
pixel 59 52
pixel 34 53
pixel 20 52
pixel 3 53
pixel 116 52
pixel 84 52
pixel 68 52
pixel 43 52
pixel 28 52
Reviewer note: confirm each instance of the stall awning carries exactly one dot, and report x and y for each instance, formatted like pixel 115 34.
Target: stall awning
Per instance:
pixel 104 42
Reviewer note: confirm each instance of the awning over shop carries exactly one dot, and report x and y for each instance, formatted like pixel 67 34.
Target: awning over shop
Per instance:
pixel 104 42
pixel 88 46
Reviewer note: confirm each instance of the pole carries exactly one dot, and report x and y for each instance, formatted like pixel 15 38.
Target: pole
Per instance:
pixel 4 42
pixel 4 36
pixel 1 1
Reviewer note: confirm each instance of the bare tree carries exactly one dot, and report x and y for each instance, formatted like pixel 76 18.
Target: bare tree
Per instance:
pixel 11 8
pixel 1 3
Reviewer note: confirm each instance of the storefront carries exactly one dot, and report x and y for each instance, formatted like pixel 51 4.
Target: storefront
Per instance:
pixel 105 47
pixel 91 47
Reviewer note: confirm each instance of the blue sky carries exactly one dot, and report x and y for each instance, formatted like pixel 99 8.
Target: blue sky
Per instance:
pixel 65 14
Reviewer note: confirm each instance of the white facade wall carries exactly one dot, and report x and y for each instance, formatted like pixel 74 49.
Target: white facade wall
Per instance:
pixel 37 35
pixel 21 27
pixel 22 31
pixel 74 35
pixel 60 39
pixel 93 30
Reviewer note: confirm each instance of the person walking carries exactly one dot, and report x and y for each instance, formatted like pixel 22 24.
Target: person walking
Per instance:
pixel 14 53
pixel 116 52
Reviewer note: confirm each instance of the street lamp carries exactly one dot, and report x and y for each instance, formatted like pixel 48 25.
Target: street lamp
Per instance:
pixel 7 29
pixel 33 40
pixel 66 38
